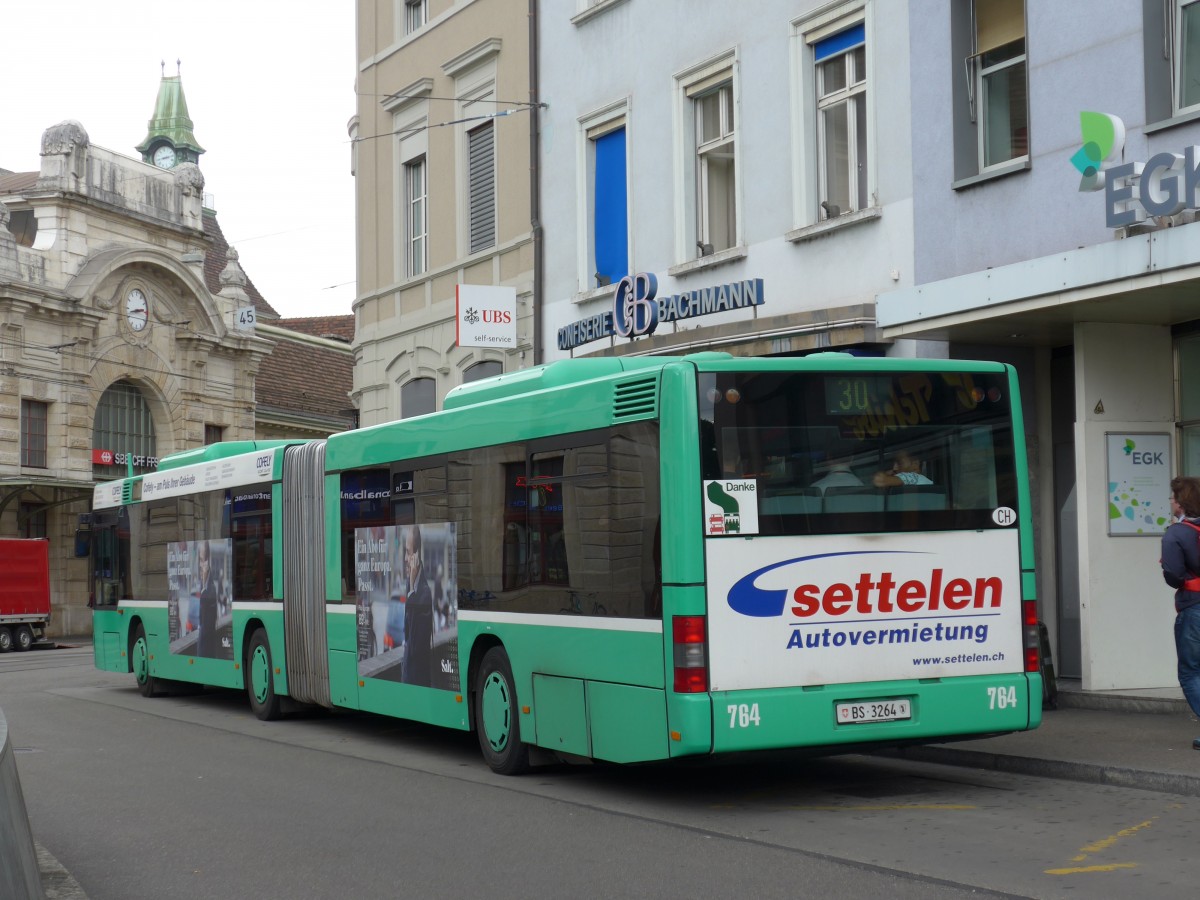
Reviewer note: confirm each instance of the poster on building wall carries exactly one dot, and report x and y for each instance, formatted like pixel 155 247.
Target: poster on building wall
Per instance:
pixel 1139 483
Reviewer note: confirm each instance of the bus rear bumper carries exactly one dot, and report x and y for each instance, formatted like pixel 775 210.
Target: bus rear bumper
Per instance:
pixel 936 710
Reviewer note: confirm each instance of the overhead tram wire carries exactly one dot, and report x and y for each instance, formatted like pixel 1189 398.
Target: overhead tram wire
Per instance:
pixel 10 365
pixel 416 129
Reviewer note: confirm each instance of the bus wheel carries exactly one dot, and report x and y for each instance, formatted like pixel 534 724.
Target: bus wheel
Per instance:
pixel 23 637
pixel 260 683
pixel 139 658
pixel 5 639
pixel 496 716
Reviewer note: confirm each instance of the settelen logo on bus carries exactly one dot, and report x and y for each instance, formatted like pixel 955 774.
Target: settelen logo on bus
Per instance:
pixel 872 586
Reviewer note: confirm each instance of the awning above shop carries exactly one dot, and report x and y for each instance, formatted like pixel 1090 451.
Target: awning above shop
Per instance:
pixel 47 491
pixel 1147 279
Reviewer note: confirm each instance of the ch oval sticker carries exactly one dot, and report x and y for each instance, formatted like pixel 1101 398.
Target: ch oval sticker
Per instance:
pixel 1003 515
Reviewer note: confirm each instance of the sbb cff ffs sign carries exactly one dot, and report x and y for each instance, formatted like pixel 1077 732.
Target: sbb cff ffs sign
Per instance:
pixel 109 458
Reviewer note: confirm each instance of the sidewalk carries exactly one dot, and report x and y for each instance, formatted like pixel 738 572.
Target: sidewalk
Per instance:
pixel 1138 738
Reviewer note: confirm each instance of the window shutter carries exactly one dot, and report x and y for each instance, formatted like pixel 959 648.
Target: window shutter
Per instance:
pixel 481 192
pixel 998 22
pixel 611 231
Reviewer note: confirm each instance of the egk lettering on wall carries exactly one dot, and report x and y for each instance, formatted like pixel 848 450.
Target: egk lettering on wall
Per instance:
pixel 1162 186
pixel 875 608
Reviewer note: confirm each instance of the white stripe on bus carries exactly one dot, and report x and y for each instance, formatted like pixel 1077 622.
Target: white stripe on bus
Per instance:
pixel 603 623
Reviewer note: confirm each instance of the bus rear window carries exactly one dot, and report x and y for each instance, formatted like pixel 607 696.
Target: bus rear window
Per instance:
pixel 862 452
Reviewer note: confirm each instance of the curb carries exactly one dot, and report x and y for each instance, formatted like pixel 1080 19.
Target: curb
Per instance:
pixel 1094 773
pixel 57 882
pixel 1108 703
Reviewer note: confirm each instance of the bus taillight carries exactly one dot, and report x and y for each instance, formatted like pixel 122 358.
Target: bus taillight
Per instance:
pixel 1032 639
pixel 691 654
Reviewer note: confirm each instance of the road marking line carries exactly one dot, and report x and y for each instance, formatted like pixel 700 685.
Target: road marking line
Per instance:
pixel 1100 846
pixel 1078 869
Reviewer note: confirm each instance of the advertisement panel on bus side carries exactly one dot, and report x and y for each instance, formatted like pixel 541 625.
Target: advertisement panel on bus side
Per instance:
pixel 791 612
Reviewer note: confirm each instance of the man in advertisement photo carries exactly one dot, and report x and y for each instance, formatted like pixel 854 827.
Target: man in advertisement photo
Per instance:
pixel 418 613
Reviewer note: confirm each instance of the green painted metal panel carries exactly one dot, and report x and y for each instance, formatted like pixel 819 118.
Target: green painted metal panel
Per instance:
pixel 245 623
pixel 690 723
pixel 598 654
pixel 628 724
pixel 343 677
pixel 408 701
pixel 109 654
pixel 561 714
pixel 224 450
pixel 805 717
pixel 682 502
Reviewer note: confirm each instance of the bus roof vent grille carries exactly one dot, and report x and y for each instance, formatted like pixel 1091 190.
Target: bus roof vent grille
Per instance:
pixel 635 399
pixel 127 491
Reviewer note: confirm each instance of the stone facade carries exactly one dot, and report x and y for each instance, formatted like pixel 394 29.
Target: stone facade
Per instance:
pixel 102 283
pixel 432 79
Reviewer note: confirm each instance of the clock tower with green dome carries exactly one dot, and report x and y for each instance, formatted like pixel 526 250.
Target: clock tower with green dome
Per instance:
pixel 169 140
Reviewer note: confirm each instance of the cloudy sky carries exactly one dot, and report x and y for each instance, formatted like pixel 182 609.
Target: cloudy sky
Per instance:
pixel 270 88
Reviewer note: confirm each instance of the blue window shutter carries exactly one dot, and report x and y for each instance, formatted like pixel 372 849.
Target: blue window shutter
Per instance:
pixel 836 43
pixel 611 205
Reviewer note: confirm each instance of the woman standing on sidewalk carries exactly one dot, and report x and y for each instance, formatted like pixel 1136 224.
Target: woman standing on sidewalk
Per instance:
pixel 1181 570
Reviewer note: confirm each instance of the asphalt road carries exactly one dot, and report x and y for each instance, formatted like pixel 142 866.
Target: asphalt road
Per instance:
pixel 189 796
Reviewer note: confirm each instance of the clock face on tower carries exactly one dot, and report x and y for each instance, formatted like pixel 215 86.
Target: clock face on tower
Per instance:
pixel 136 309
pixel 164 156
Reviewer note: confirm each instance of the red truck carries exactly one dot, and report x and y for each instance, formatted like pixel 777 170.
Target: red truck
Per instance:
pixel 24 592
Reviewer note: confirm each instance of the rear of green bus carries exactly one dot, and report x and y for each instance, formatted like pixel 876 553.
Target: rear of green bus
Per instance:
pixel 851 561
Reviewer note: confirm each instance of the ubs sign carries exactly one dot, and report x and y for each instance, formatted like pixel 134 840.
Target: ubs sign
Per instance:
pixel 637 309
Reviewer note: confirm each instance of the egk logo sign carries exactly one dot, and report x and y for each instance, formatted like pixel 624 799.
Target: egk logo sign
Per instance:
pixel 1143 457
pixel 1162 186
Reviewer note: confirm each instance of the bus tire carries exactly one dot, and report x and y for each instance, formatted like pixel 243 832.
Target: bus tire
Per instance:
pixel 23 637
pixel 497 721
pixel 139 661
pixel 260 682
pixel 6 641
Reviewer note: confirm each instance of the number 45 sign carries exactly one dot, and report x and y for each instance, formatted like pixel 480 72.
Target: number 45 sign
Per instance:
pixel 245 318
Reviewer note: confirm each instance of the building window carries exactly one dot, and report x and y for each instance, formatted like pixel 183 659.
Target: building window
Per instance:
pixel 124 427
pixel 716 158
pixel 35 417
pixel 609 203
pixel 1000 89
pixel 481 187
pixel 417 397
pixel 416 215
pixel 415 12
pixel 486 369
pixel 841 79
pixel 213 434
pixel 991 101
pixel 31 520
pixel 1188 354
pixel 1186 49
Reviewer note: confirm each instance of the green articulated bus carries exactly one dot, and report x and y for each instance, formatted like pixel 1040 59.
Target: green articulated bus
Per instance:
pixel 621 559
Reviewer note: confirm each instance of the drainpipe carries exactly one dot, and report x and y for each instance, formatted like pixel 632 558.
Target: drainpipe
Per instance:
pixel 535 196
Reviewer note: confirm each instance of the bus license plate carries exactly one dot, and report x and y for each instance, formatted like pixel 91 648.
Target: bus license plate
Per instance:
pixel 873 711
